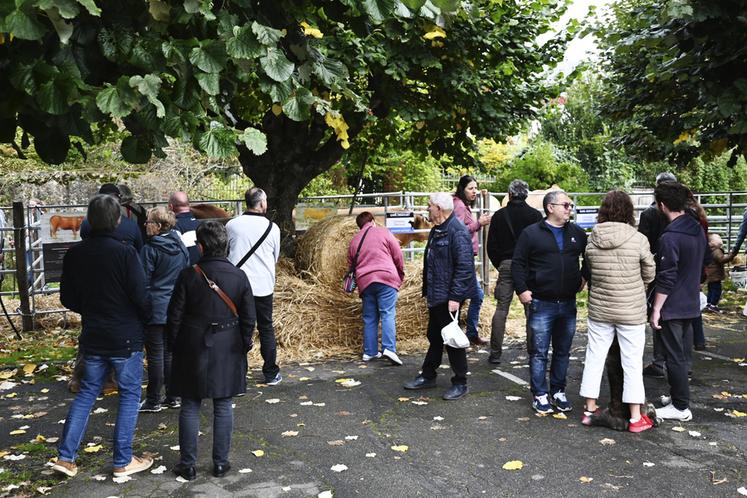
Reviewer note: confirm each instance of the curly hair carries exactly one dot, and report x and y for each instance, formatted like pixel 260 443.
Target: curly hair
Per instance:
pixel 616 206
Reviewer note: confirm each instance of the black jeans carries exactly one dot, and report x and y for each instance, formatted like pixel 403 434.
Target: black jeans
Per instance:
pixel 189 429
pixel 267 344
pixel 677 341
pixel 438 318
pixel 159 363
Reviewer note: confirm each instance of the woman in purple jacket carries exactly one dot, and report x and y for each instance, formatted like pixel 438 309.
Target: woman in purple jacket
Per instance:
pixel 464 200
pixel 379 272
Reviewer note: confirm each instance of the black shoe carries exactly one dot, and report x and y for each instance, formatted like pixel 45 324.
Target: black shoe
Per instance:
pixel 700 347
pixel 148 407
pixel 456 391
pixel 220 470
pixel 653 371
pixel 173 403
pixel 187 472
pixel 420 382
pixel 494 359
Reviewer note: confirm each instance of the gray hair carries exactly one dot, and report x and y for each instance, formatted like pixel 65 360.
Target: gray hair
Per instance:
pixel 254 196
pixel 551 198
pixel 665 176
pixel 103 213
pixel 213 238
pixel 442 199
pixel 518 189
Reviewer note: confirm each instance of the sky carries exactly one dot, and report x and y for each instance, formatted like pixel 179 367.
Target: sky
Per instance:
pixel 579 49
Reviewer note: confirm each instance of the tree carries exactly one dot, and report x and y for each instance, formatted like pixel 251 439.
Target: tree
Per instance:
pixel 285 85
pixel 677 76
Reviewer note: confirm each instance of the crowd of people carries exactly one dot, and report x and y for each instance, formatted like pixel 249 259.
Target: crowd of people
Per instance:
pixel 190 294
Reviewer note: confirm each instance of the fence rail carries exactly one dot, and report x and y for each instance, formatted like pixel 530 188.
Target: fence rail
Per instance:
pixel 22 272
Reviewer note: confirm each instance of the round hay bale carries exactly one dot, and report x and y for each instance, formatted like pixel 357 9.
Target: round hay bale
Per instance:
pixel 323 250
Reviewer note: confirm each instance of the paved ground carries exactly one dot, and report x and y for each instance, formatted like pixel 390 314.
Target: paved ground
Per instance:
pixel 451 448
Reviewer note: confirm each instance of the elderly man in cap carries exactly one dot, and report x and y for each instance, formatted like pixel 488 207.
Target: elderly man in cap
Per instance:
pixel 127 230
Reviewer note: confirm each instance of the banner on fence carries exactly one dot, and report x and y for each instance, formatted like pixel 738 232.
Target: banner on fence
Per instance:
pixel 586 217
pixel 400 221
pixel 58 231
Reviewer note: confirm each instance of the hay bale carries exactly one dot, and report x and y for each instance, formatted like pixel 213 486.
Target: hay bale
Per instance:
pixel 322 252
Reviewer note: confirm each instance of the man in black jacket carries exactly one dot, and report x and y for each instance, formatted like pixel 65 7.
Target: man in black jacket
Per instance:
pixel 546 274
pixel 505 228
pixel 103 280
pixel 682 249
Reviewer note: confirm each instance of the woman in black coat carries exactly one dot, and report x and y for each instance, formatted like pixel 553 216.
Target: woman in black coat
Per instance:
pixel 209 344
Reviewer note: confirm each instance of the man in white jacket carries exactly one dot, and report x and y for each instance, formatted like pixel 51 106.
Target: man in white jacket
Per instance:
pixel 254 246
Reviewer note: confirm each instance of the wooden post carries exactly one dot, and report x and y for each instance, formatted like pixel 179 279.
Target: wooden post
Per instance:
pixel 22 275
pixel 485 260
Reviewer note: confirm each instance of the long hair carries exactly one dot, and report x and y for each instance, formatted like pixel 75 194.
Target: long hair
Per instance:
pixel 461 186
pixel 616 206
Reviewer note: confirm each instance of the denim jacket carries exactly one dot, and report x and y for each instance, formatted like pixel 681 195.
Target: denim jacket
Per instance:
pixel 448 264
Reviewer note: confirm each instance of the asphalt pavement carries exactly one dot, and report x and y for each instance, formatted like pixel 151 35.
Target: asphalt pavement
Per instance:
pixel 348 428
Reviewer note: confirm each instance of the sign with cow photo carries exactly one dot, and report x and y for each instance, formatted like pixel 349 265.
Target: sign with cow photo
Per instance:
pixel 58 232
pixel 400 221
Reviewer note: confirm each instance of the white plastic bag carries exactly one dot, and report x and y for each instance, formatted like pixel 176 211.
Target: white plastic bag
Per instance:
pixel 703 301
pixel 744 311
pixel 452 334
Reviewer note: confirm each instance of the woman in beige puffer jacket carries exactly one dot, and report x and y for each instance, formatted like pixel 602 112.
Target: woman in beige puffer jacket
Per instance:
pixel 620 263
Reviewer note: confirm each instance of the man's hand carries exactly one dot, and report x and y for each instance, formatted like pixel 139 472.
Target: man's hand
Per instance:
pixel 453 306
pixel 525 297
pixel 484 219
pixel 655 318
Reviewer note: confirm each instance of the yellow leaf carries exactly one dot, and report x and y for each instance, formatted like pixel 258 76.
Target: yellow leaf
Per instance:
pixel 341 381
pixel 585 479
pixel 684 137
pixel 560 416
pixel 277 109
pixel 11 395
pixel 435 32
pixel 3 453
pixel 44 391
pixel 513 465
pixel 7 374
pixel 737 413
pixel 402 448
pixel 258 453
pixel 403 399
pixel 309 30
pixel 92 449
pixel 304 379
pixel 40 439
pixel 17 432
pixel 29 368
pixel 737 360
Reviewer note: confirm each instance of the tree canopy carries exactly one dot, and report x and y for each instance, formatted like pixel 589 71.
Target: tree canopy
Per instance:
pixel 285 85
pixel 677 76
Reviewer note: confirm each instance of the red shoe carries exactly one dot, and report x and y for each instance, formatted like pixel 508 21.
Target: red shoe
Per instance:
pixel 642 424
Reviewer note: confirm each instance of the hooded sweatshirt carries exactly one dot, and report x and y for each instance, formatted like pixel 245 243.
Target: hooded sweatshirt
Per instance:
pixel 164 256
pixel 682 250
pixel 619 265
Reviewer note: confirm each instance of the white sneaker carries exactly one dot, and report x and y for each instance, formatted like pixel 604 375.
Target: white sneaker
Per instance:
pixel 392 357
pixel 369 358
pixel 669 412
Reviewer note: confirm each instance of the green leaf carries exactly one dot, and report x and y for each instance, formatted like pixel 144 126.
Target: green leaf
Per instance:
pixel 149 86
pixel 447 6
pixel 210 82
pixel 276 65
pixel 218 141
pixel 210 56
pixel 243 44
pixel 378 10
pixel 191 6
pixel 159 10
pixel 414 5
pixel 255 141
pixel 63 28
pixel 109 101
pixel 51 98
pixel 68 9
pixel 23 26
pixel 91 7
pixel 278 92
pixel 136 150
pixel 22 78
pixel 330 71
pixel 267 35
pixel 298 106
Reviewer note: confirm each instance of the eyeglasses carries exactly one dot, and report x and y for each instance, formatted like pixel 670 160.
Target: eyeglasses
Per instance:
pixel 566 205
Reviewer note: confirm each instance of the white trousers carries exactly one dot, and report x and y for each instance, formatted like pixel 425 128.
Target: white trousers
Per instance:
pixel 632 340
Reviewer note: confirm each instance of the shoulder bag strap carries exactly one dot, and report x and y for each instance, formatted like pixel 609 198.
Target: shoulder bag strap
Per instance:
pixel 358 251
pixel 218 291
pixel 255 246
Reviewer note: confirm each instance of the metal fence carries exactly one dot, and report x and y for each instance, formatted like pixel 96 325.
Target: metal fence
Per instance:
pixel 22 275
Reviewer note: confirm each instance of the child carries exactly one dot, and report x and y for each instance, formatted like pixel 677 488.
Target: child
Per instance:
pixel 715 272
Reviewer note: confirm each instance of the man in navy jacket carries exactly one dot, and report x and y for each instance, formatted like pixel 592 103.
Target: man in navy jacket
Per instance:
pixel 546 274
pixel 103 280
pixel 681 254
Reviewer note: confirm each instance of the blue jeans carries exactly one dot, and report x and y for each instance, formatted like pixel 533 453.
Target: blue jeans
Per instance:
pixel 379 303
pixel 550 321
pixel 189 429
pixel 714 293
pixel 473 312
pixel 129 375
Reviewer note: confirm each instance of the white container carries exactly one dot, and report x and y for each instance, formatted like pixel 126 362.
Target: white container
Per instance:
pixel 738 278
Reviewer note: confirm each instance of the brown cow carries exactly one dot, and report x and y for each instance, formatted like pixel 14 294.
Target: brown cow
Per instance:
pixel 419 223
pixel 210 212
pixel 59 222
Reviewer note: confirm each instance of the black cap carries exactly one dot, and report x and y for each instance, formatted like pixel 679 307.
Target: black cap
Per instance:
pixel 110 189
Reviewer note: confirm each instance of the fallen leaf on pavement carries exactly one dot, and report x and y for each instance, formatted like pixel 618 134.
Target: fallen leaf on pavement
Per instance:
pixel 304 379
pixel 17 432
pixel 420 403
pixel 29 368
pixel 92 449
pixel 585 479
pixel 648 464
pixel 694 433
pixel 513 398
pixel 98 477
pixel 44 391
pixel 325 494
pixel 124 479
pixel 513 465
pixel 40 439
pixel 351 438
pixel 100 410
pixel 370 455
pixel 737 413
pixel 258 453
pixel 245 471
pixel 7 374
pixel 336 442
pixel 438 418
pixel 338 468
pixel 159 470
pixel 678 428
pixel 560 416
pixel 403 399
pixel 607 441
pixel 272 401
pixel 306 403
pixel 742 491
pixel 320 404
pixel 289 434
pixel 402 448
pixel 14 458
